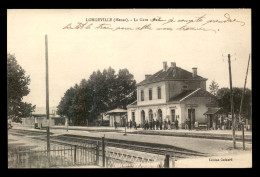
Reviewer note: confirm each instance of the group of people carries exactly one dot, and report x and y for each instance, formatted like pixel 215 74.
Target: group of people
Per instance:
pixel 152 125
pixel 221 123
pixel 159 125
pixel 189 124
pixel 218 123
pixel 131 124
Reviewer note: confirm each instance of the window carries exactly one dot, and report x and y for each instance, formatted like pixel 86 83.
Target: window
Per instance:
pixel 159 92
pixel 133 116
pixel 142 95
pixel 150 94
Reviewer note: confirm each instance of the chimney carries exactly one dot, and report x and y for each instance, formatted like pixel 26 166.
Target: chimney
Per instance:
pixel 194 72
pixel 164 65
pixel 173 64
pixel 147 76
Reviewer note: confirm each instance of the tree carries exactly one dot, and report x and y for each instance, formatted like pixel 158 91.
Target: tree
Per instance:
pixel 65 107
pixel 213 87
pixel 17 88
pixel 80 103
pixel 26 109
pixel 125 88
pixel 223 96
pixel 102 92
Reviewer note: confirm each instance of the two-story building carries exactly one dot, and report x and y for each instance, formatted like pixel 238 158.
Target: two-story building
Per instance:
pixel 169 94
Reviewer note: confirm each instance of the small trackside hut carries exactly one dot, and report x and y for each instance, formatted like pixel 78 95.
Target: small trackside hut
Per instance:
pixel 117 115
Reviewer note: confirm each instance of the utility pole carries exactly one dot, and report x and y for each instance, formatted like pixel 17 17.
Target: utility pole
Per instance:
pixel 47 77
pixel 125 124
pixel 47 99
pixel 240 110
pixel 232 104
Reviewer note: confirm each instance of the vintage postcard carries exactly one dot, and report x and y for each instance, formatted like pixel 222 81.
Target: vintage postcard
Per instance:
pixel 129 88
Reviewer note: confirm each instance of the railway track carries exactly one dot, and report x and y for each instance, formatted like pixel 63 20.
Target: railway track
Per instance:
pixel 68 140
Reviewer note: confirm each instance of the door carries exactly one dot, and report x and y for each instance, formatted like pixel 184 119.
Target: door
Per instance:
pixel 133 117
pixel 173 115
pixel 191 116
pixel 111 121
pixel 210 121
pixel 142 118
pixel 160 115
pixel 150 115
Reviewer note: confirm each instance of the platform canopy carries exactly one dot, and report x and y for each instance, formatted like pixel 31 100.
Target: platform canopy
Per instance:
pixel 214 111
pixel 117 110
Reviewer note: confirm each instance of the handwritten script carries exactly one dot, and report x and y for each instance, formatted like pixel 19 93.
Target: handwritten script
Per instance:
pixel 200 23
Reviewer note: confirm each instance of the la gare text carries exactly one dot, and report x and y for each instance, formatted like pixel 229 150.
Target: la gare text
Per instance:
pixel 122 19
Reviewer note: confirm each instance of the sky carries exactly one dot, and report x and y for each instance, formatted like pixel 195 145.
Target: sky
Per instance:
pixel 74 54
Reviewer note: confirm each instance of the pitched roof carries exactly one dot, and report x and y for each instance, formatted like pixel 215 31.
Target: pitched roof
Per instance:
pixel 202 93
pixel 181 95
pixel 132 104
pixel 213 111
pixel 118 110
pixel 191 93
pixel 172 73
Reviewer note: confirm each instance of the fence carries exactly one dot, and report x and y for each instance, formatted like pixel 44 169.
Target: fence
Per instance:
pixel 83 154
pixel 122 158
pixel 90 153
pixel 114 157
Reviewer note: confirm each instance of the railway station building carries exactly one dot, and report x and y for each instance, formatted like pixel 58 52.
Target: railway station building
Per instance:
pixel 169 94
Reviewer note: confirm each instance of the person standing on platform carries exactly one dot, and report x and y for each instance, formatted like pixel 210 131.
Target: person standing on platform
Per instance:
pixel 157 124
pixel 225 124
pixel 115 124
pixel 165 125
pixel 153 124
pixel 189 124
pixel 135 125
pixel 169 124
pixel 131 123
pixel 177 124
pixel 186 124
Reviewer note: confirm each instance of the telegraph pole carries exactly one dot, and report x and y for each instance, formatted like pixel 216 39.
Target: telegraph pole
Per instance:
pixel 47 98
pixel 240 110
pixel 232 104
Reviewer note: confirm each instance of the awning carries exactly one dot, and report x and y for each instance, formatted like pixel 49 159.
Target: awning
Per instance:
pixel 213 111
pixel 118 110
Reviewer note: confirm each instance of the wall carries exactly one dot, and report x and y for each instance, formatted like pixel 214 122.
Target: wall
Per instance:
pixel 200 104
pixel 176 87
pixel 166 112
pixel 40 120
pixel 113 118
pixel 196 84
pixel 169 89
pixel 177 108
pixel 155 99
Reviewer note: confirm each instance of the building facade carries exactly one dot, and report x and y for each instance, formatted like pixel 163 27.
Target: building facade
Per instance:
pixel 171 93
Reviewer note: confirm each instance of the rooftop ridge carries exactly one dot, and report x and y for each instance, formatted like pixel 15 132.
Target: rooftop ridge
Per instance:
pixel 161 75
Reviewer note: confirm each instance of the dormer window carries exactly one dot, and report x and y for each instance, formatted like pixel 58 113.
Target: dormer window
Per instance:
pixel 185 87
